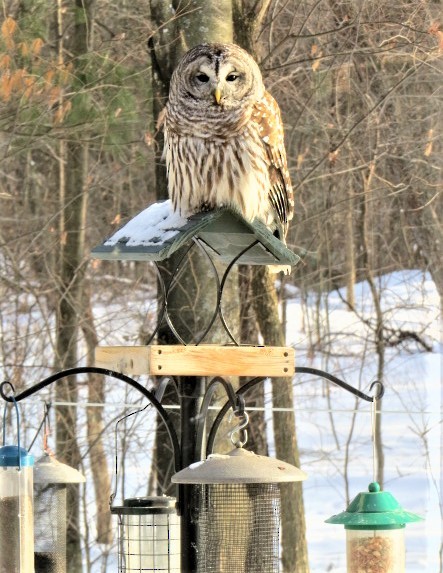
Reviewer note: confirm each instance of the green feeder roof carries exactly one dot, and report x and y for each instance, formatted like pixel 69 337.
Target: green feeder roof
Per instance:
pixel 374 509
pixel 157 232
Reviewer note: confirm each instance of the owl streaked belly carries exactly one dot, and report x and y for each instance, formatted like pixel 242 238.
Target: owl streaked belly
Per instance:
pixel 204 174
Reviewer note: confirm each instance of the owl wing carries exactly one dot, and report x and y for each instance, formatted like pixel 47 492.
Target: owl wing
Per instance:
pixel 266 114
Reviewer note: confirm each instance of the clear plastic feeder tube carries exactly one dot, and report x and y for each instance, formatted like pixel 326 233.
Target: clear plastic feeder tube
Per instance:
pixel 374 522
pixel 16 511
pixel 378 550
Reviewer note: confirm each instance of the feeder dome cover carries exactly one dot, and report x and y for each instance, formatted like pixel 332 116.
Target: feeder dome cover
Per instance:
pixel 9 457
pixel 374 509
pixel 48 470
pixel 239 466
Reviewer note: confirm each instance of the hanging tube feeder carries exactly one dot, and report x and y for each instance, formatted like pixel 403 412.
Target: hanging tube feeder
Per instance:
pixel 374 523
pixel 238 510
pixel 51 479
pixel 16 506
pixel 148 534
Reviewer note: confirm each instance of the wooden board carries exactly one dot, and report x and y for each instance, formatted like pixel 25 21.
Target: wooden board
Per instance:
pixel 203 360
pixel 124 359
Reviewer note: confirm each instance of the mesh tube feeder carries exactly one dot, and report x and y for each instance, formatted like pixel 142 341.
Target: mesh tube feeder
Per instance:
pixel 51 479
pixel 237 510
pixel 148 529
pixel 374 523
pixel 148 534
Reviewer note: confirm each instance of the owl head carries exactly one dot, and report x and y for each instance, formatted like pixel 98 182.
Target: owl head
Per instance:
pixel 217 76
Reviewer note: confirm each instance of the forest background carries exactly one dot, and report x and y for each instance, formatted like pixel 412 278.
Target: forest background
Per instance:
pixel 359 86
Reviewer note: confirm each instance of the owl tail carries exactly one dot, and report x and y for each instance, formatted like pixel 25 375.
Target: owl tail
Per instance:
pixel 285 269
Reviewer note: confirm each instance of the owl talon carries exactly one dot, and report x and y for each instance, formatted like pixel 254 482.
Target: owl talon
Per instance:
pixel 205 207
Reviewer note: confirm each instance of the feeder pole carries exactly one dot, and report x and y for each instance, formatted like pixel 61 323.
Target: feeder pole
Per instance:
pixel 191 394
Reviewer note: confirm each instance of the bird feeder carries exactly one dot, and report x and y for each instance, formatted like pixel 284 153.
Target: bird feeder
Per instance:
pixel 238 510
pixel 374 523
pixel 148 535
pixel 51 479
pixel 16 510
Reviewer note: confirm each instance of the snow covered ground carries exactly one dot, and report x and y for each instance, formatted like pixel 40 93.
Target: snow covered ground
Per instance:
pixel 337 463
pixel 325 414
pixel 411 417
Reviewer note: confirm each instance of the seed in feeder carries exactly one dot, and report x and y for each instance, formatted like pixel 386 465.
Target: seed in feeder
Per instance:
pixel 371 555
pixel 16 518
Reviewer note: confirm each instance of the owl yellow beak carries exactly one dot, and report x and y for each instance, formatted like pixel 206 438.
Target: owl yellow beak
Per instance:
pixel 217 95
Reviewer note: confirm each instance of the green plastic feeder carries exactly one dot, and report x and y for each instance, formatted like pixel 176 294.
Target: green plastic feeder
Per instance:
pixel 374 523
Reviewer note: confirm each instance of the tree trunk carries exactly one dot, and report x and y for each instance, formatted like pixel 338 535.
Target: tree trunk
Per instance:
pixel 350 249
pixel 294 546
pixel 427 231
pixel 96 427
pixel 70 284
pixel 73 202
pixel 248 20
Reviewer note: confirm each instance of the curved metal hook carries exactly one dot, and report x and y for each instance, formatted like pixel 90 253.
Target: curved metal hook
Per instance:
pixel 13 399
pixel 381 390
pixel 239 428
pixel 96 370
pixel 225 408
pixel 297 370
pixel 341 383
pixel 235 401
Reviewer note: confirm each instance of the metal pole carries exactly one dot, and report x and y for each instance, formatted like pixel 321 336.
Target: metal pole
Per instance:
pixel 191 390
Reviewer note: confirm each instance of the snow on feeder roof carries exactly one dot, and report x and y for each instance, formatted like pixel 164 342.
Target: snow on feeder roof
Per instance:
pixel 157 232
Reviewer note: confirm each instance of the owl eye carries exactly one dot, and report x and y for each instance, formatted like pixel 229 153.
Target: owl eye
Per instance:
pixel 231 77
pixel 202 78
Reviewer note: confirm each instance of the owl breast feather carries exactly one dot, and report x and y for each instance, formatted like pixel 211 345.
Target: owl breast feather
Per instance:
pixel 205 174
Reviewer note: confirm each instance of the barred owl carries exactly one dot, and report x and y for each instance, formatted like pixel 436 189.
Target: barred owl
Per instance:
pixel 224 141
